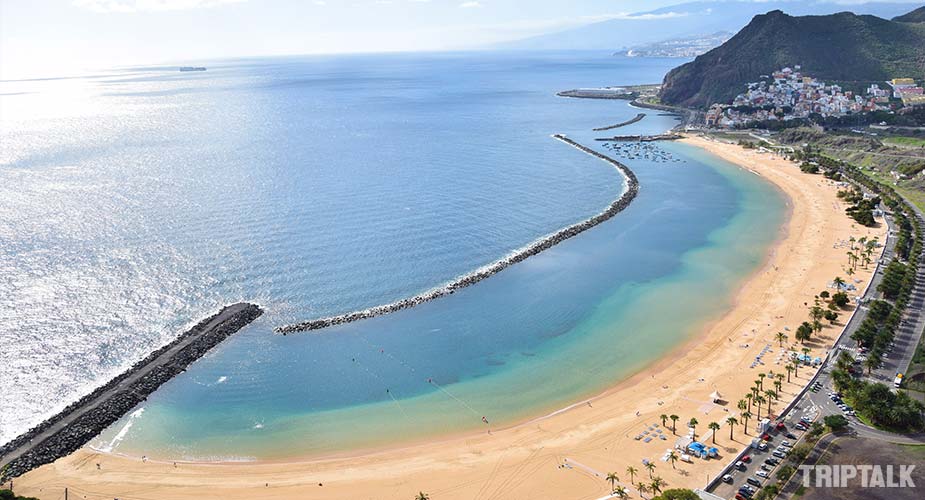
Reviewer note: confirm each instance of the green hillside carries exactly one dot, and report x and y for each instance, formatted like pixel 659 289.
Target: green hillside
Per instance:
pixel 841 47
pixel 916 16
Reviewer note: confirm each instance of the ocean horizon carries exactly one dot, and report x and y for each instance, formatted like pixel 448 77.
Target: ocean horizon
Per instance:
pixel 320 185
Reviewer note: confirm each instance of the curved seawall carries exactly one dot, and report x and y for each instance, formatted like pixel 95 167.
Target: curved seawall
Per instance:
pixel 483 272
pixel 82 420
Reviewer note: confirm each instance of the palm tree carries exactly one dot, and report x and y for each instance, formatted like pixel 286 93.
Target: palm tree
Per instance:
pixel 746 415
pixel 731 422
pixel 790 369
pixel 422 496
pixel 643 488
pixel 759 400
pixel 692 423
pixel 620 492
pixel 777 385
pixel 771 396
pixel 657 484
pixel 839 283
pixel 742 405
pixel 650 466
pixel 761 377
pixel 674 423
pixel 781 337
pixel 664 418
pixel 713 426
pixel 673 458
pixel 632 471
pixel 612 477
pixel 750 398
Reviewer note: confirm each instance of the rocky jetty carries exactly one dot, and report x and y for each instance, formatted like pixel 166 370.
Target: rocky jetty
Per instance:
pixel 641 138
pixel 603 93
pixel 84 419
pixel 638 117
pixel 484 272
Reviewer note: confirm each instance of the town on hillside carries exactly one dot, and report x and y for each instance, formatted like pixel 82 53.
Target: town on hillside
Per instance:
pixel 789 94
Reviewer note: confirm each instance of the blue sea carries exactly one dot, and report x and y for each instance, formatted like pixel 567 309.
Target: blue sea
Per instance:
pixel 136 201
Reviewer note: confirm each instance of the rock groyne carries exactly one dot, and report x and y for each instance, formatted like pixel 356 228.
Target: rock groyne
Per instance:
pixel 84 419
pixel 640 138
pixel 602 93
pixel 638 117
pixel 480 274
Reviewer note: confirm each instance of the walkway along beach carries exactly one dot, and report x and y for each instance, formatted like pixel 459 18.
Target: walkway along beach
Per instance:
pixel 560 455
pixel 81 421
pixel 499 265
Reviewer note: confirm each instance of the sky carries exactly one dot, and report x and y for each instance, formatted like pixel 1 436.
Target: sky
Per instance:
pixel 44 37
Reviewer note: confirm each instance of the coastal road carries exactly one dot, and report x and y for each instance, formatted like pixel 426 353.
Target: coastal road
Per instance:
pixel 62 422
pixel 909 333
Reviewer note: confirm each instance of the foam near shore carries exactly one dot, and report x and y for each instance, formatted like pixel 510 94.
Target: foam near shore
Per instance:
pixel 544 243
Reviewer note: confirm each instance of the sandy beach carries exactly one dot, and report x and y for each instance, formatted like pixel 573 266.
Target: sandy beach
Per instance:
pixel 566 454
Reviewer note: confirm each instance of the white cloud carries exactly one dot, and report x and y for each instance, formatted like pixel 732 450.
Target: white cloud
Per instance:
pixel 469 5
pixel 148 5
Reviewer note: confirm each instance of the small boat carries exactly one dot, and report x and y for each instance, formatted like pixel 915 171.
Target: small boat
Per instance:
pixel 192 68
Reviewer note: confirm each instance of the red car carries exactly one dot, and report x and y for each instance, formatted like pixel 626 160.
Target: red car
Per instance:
pixel 746 458
pixel 780 426
pixel 766 436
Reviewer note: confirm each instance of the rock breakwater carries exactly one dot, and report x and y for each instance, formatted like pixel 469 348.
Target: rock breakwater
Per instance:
pixel 84 419
pixel 632 189
pixel 635 119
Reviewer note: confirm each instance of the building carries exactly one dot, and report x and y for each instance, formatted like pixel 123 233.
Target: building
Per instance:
pixel 901 85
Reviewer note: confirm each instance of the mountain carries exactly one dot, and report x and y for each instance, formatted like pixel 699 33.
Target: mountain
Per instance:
pixel 684 20
pixel 842 47
pixel 916 16
pixel 689 46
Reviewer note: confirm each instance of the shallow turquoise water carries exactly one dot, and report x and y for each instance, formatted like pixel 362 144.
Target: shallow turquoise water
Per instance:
pixel 316 186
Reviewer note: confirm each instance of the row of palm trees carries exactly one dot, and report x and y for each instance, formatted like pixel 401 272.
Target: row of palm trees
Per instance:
pixel 654 485
pixel 861 254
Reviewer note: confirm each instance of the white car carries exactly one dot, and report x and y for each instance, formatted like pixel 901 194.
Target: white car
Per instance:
pixel 762 473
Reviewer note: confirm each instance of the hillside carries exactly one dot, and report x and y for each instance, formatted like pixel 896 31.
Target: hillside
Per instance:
pixel 842 47
pixel 916 16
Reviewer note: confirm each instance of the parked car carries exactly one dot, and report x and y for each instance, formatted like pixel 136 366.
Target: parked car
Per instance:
pixel 762 473
pixel 746 458
pixel 727 478
pixel 763 446
pixel 752 480
pixel 779 454
pixel 739 465
pixel 790 436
